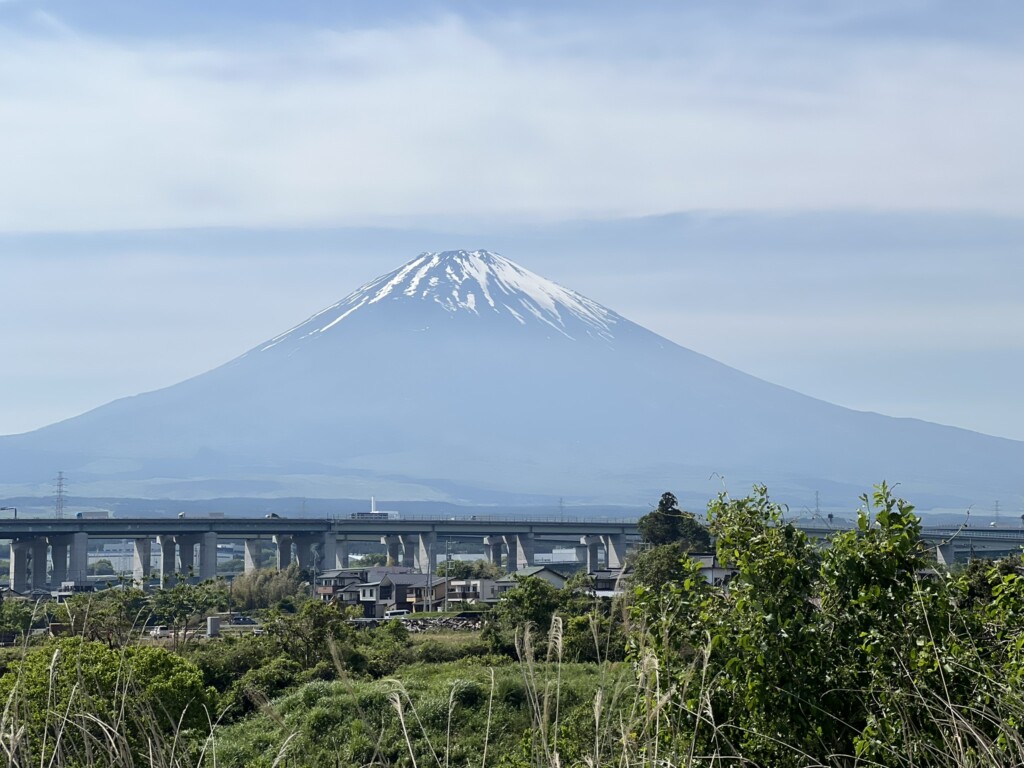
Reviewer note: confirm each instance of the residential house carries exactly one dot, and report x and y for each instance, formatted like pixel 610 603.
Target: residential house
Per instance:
pixel 341 585
pixel 398 591
pixel 609 582
pixel 429 595
pixel 543 572
pixel 466 592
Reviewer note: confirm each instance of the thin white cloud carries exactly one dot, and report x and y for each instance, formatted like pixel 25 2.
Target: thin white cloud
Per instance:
pixel 450 120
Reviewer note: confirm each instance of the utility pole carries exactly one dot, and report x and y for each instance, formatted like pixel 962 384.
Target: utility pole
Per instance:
pixel 447 560
pixel 430 576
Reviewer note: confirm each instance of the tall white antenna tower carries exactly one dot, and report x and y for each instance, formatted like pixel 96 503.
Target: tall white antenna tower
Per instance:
pixel 58 506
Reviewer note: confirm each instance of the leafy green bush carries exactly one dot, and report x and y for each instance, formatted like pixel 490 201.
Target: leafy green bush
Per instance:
pixel 449 710
pixel 862 651
pixel 73 698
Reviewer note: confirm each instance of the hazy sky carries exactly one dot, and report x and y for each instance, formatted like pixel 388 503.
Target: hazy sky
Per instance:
pixel 831 198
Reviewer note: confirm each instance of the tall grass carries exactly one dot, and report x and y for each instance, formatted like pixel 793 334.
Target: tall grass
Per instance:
pixel 637 716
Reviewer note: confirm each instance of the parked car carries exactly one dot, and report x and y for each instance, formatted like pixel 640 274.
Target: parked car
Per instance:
pixel 395 614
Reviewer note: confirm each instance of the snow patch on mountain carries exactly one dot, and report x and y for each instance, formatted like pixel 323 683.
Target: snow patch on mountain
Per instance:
pixel 479 282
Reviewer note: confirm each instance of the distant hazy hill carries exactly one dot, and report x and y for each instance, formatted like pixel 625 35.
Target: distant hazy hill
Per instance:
pixel 463 376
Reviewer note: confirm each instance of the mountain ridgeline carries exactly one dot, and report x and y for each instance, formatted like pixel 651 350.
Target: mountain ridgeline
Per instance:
pixel 462 376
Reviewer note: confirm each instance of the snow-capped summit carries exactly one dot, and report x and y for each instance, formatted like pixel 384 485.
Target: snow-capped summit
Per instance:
pixel 481 283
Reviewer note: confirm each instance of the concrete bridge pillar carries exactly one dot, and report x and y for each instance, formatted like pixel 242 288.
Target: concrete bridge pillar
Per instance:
pixel 208 556
pixel 253 555
pixel 284 551
pixel 167 573
pixel 142 560
pixel 326 557
pixel 59 557
pixel 944 553
pixel 581 554
pixel 304 552
pixel 19 565
pixel 592 545
pixel 493 546
pixel 409 546
pixel 37 566
pixel 614 550
pixel 78 558
pixel 341 553
pixel 426 552
pixel 187 555
pixel 520 551
pixel 394 545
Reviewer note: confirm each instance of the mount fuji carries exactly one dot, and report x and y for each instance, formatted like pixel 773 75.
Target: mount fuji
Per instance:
pixel 462 376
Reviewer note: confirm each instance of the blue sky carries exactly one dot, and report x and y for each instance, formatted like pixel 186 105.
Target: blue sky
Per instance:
pixel 828 196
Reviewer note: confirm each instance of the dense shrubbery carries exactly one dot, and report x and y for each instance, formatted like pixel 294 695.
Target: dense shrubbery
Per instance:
pixel 266 588
pixel 816 656
pixel 78 702
pixel 464 713
pixel 591 628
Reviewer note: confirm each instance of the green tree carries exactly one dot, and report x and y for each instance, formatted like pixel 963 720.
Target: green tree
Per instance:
pixel 268 588
pixel 308 634
pixel 235 565
pixel 772 616
pixel 462 569
pixel 668 524
pixel 102 567
pixel 659 565
pixel 454 569
pixel 532 601
pixel 111 615
pixel 15 617
pixel 184 605
pixel 526 608
pixel 915 634
pixel 753 644
pixel 863 650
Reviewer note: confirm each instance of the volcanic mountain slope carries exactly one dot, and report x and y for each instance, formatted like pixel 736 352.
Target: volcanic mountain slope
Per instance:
pixel 462 375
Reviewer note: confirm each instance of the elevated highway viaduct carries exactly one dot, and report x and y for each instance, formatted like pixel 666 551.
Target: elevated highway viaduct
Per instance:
pixel 56 551
pixel 951 542
pixel 49 551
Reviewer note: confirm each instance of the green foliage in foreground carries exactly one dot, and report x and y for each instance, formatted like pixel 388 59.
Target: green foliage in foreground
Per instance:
pixel 459 713
pixel 90 704
pixel 858 652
